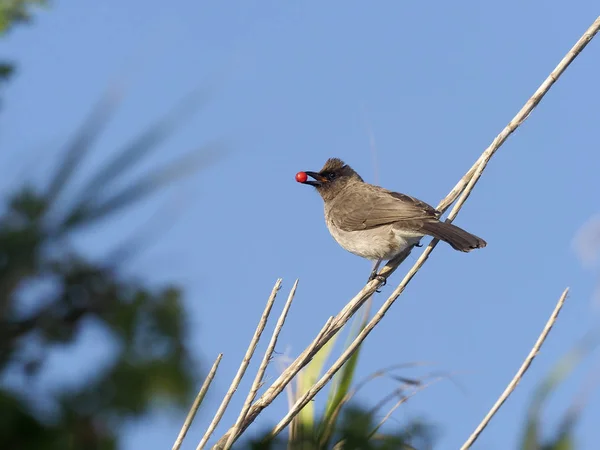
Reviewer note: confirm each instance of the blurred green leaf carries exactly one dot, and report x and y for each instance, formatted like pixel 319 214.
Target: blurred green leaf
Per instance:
pixel 83 213
pixel 561 443
pixel 304 423
pixel 342 381
pixel 6 71
pixel 50 292
pixel 141 146
pixel 13 12
pixel 353 433
pixel 81 144
pixel 151 365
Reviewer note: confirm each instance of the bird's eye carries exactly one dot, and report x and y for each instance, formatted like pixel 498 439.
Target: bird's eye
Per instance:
pixel 331 176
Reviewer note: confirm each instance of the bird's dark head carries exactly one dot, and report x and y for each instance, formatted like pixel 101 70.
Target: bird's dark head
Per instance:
pixel 331 179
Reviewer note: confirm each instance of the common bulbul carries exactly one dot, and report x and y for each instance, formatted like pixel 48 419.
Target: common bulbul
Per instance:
pixel 375 223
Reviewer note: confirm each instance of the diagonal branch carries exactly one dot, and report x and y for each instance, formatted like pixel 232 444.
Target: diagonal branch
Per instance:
pixel 197 403
pixel 243 366
pixel 519 375
pixel 464 187
pixel 258 380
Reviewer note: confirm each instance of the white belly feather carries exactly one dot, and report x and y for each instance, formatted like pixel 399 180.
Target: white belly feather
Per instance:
pixel 383 242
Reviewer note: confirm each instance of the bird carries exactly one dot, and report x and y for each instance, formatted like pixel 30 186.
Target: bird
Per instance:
pixel 375 223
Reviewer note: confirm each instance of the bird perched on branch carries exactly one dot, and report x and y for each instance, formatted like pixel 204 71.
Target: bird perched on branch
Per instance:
pixel 375 223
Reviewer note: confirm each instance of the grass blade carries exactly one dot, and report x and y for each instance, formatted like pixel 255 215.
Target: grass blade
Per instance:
pixel 305 420
pixel 81 144
pixel 83 214
pixel 142 145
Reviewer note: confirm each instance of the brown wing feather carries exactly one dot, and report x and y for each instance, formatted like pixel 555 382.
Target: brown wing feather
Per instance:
pixel 377 206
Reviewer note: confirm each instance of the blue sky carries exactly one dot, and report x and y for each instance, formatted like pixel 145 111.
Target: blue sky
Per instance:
pixel 293 84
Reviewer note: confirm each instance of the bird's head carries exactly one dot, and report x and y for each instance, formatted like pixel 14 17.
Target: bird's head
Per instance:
pixel 331 179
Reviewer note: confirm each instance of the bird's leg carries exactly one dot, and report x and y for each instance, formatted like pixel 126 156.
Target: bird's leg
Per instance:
pixel 374 274
pixel 376 265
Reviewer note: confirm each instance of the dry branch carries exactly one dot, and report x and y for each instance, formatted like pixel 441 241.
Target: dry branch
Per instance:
pixel 464 187
pixel 197 402
pixel 401 400
pixel 262 368
pixel 473 176
pixel 243 366
pixel 524 113
pixel 519 375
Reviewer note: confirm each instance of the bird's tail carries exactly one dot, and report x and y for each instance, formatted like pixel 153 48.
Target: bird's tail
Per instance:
pixel 458 238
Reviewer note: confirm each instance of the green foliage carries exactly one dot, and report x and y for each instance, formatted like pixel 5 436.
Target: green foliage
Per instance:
pixel 304 422
pixel 342 425
pixel 147 323
pixel 353 431
pixel 339 393
pixel 6 70
pixel 13 12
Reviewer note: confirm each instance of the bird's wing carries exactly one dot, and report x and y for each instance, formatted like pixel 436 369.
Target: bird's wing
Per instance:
pixel 377 206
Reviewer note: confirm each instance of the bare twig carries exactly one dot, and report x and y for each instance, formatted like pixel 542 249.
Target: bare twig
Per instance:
pixel 519 375
pixel 528 108
pixel 397 392
pixel 464 187
pixel 197 402
pixel 403 399
pixel 262 368
pixel 310 394
pixel 396 405
pixel 331 327
pixel 352 392
pixel 243 366
pixel 474 177
pixel 345 356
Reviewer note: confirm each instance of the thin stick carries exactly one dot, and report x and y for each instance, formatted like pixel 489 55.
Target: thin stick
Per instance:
pixel 243 366
pixel 345 356
pixel 331 327
pixel 262 368
pixel 468 180
pixel 352 392
pixel 280 383
pixel 194 409
pixel 527 109
pixel 402 400
pixel 519 375
pixel 473 174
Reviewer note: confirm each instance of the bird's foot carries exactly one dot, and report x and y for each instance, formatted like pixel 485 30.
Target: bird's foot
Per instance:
pixel 419 245
pixel 379 278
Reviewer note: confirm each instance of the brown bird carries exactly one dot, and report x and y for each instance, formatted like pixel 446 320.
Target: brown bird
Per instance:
pixel 375 223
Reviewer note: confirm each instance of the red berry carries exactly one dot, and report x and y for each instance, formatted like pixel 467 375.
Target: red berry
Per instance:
pixel 301 177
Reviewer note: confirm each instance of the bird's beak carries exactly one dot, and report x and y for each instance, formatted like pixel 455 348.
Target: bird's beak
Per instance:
pixel 319 180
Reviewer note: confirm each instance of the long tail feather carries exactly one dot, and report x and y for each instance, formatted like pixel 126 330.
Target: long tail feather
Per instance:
pixel 458 238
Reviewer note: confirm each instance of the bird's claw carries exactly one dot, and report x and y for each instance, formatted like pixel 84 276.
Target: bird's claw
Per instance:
pixel 419 245
pixel 382 280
